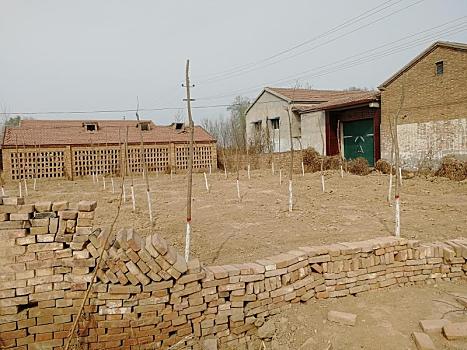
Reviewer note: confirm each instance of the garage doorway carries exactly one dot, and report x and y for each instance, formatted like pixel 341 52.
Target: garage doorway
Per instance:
pixel 359 140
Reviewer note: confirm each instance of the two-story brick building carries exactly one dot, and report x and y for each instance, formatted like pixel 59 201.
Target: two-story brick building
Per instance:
pixel 431 93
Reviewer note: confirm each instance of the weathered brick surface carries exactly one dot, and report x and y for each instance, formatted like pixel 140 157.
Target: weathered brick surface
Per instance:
pixel 433 117
pixel 146 294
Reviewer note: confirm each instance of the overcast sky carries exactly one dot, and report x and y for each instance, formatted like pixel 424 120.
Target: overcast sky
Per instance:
pixel 100 55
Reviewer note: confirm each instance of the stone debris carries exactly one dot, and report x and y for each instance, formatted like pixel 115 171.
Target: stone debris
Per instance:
pixel 433 326
pixel 342 317
pixel 423 341
pixel 267 330
pixel 147 295
pixel 455 330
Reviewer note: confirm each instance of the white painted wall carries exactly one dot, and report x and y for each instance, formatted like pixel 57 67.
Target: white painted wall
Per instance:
pixel 311 135
pixel 270 106
pixel 430 141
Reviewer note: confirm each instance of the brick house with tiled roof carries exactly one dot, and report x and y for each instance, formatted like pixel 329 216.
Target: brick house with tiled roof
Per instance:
pixel 316 112
pixel 433 115
pixel 75 148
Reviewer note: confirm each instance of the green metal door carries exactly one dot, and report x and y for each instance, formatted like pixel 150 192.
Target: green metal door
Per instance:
pixel 359 140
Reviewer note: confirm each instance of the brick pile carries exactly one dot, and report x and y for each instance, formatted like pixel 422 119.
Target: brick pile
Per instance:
pixel 146 295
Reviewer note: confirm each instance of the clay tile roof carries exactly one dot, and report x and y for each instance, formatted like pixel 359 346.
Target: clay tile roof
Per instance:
pixel 356 98
pixel 73 132
pixel 310 96
pixel 446 44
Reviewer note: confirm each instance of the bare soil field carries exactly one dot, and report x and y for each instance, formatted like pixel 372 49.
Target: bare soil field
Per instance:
pixel 228 231
pixel 386 319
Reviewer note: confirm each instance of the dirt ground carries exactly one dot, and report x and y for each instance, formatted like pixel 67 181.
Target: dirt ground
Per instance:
pixel 228 231
pixel 386 319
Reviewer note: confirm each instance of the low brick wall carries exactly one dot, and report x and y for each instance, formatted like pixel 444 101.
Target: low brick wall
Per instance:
pixel 148 297
pixel 262 161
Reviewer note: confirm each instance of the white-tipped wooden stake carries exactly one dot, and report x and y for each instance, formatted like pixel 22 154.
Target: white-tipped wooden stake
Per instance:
pixel 400 176
pixel 171 176
pixel 398 217
pixel 34 184
pixel 238 190
pixel 26 187
pixel 210 169
pixel 3 191
pixel 248 171
pixel 97 178
pixel 390 188
pixel 187 239
pixel 148 196
pixel 342 172
pixel 225 173
pixel 303 169
pixel 280 176
pixel 124 193
pixel 20 189
pixel 133 200
pixel 206 182
pixel 113 185
pixel 93 178
pixel 290 196
pixel 322 183
pixel 103 182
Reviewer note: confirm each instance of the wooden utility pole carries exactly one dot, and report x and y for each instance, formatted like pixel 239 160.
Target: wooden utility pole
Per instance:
pixel 190 161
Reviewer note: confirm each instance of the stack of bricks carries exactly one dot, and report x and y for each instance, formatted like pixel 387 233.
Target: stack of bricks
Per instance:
pixel 41 260
pixel 146 296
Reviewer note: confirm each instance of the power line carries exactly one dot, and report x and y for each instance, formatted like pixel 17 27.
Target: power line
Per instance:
pixel 246 70
pixel 374 56
pixel 346 23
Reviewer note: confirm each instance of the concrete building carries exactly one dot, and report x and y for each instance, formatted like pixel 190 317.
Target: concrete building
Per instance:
pixel 431 93
pixel 74 148
pixel 316 116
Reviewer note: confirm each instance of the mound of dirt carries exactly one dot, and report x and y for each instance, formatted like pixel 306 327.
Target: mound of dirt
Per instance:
pixel 332 163
pixel 311 160
pixel 453 169
pixel 358 166
pixel 383 166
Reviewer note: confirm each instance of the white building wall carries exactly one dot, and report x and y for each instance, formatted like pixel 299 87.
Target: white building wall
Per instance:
pixel 313 124
pixel 265 108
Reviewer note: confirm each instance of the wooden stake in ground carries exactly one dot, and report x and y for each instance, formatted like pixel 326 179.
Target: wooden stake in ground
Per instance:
pixel 291 160
pixel 395 140
pixel 132 187
pixel 18 167
pixel 142 155
pixel 248 161
pixel 397 189
pixel 191 127
pixel 26 173
pixel 339 146
pixel 322 157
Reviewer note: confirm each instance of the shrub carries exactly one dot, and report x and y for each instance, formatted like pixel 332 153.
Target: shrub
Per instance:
pixel 358 166
pixel 311 160
pixel 384 166
pixel 452 168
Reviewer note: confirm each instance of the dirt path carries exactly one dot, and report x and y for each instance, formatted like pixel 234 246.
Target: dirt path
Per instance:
pixel 226 231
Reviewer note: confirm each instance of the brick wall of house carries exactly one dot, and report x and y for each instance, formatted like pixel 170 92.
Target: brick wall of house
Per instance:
pixel 434 106
pixel 146 296
pixel 78 161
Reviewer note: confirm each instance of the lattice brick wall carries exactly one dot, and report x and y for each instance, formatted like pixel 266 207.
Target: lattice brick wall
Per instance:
pixel 202 157
pixel 87 161
pixel 38 164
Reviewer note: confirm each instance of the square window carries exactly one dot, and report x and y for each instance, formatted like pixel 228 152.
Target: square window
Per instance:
pixel 439 68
